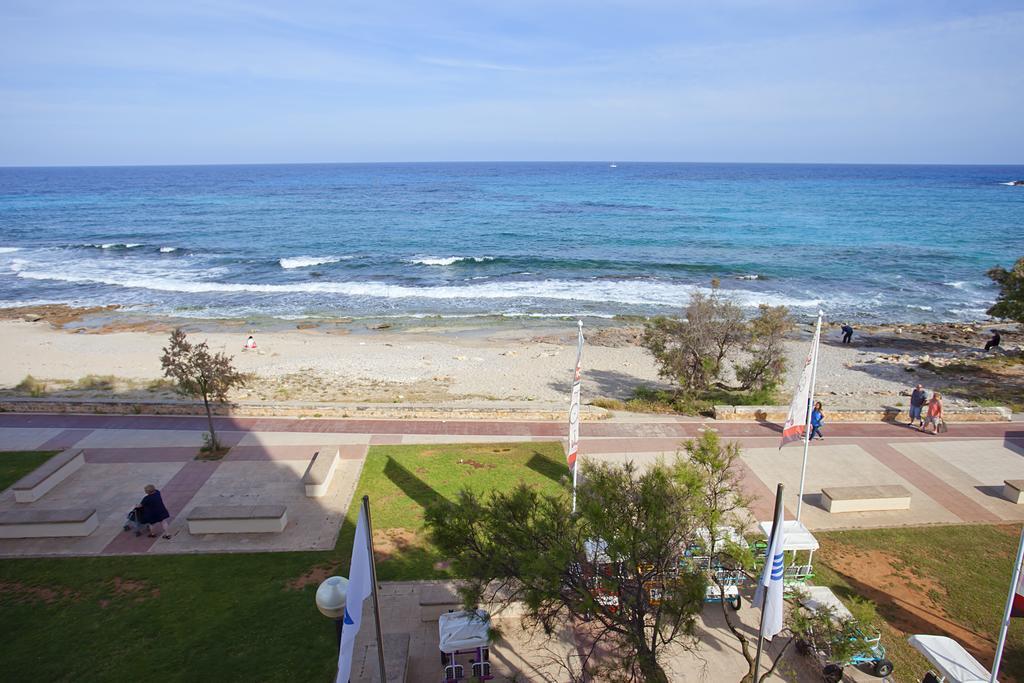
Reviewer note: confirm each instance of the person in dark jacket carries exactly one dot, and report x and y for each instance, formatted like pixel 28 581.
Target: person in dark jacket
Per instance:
pixel 847 332
pixel 917 400
pixel 817 418
pixel 152 511
pixel 994 341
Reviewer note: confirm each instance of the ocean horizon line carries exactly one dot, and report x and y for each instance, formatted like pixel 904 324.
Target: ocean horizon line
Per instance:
pixel 245 164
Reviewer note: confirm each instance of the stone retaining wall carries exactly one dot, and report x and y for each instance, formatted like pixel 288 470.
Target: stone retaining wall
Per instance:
pixel 778 414
pixel 331 410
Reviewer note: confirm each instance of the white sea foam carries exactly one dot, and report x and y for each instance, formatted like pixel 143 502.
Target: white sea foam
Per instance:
pixel 637 291
pixel 306 261
pixel 168 250
pixel 959 284
pixel 116 245
pixel 9 250
pixel 1010 183
pixel 448 260
pixel 748 277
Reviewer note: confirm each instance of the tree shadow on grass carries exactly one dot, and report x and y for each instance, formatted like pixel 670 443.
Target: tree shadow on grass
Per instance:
pixel 546 467
pixel 414 487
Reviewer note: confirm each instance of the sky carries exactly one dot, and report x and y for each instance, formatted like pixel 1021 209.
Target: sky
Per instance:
pixel 182 82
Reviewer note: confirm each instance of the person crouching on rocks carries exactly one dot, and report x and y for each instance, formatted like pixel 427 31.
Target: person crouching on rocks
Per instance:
pixel 152 511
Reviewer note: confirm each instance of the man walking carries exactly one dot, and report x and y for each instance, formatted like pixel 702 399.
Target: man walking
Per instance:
pixel 918 398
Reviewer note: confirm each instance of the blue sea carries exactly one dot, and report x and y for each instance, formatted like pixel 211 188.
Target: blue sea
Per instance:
pixel 865 243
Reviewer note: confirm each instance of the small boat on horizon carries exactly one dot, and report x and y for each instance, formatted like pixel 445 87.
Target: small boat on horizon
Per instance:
pixel 613 165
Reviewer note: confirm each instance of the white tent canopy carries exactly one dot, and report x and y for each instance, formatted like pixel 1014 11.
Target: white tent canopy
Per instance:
pixel 463 630
pixel 950 659
pixel 797 535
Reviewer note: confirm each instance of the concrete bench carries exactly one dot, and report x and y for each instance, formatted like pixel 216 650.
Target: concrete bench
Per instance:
pixel 237 519
pixel 48 523
pixel 36 483
pixel 1013 490
pixel 436 599
pixel 865 498
pixel 320 472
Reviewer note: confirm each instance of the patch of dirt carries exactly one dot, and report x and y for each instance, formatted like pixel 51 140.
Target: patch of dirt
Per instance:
pixel 314 576
pixel 390 542
pixel 23 593
pixel 477 465
pixel 139 590
pixel 905 600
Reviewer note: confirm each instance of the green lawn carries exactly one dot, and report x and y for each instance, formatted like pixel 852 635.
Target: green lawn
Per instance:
pixel 16 464
pixel 236 617
pixel 959 574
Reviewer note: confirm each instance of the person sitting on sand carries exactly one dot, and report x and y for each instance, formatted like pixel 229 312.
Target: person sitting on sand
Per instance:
pixel 847 332
pixel 918 398
pixel 994 341
pixel 934 417
pixel 152 511
pixel 817 417
pixel 250 344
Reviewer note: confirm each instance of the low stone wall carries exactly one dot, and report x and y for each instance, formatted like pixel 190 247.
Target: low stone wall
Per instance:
pixel 778 414
pixel 407 411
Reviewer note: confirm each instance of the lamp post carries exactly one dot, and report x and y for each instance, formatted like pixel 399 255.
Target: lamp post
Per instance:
pixel 330 600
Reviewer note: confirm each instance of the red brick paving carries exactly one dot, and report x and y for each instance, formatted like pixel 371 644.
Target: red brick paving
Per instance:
pixel 66 439
pixel 668 429
pixel 931 485
pixel 176 494
pixel 162 454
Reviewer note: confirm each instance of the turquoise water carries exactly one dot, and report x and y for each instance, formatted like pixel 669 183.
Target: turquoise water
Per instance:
pixel 869 243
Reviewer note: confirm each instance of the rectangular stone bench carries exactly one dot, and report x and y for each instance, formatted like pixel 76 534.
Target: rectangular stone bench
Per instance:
pixel 436 599
pixel 865 498
pixel 39 481
pixel 320 472
pixel 237 519
pixel 1013 490
pixel 48 523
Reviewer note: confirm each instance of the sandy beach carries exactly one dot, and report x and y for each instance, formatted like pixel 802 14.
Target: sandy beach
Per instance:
pixel 468 364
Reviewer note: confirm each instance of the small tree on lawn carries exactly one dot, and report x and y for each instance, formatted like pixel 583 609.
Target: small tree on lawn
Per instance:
pixel 1010 304
pixel 604 565
pixel 200 374
pixel 767 349
pixel 712 468
pixel 692 351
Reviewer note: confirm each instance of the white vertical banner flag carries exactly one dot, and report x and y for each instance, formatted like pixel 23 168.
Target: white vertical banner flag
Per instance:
pixel 574 406
pixel 360 583
pixel 796 421
pixel 769 589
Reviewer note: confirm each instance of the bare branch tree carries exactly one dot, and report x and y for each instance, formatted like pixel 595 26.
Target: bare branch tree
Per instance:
pixel 200 374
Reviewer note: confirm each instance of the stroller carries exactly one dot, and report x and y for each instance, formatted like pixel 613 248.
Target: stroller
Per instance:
pixel 134 522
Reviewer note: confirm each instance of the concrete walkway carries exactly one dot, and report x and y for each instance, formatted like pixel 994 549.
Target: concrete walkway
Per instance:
pixel 953 478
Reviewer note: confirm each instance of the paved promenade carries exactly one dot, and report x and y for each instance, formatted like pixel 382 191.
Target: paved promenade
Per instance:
pixel 953 478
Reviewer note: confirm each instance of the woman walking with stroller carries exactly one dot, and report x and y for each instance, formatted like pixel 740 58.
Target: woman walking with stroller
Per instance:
pixel 151 511
pixel 934 415
pixel 817 417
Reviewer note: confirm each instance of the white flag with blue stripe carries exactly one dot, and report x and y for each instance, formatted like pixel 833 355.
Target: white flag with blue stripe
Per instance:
pixel 359 587
pixel 769 590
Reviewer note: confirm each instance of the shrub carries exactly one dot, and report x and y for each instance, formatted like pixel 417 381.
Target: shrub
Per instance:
pixel 95 383
pixel 31 386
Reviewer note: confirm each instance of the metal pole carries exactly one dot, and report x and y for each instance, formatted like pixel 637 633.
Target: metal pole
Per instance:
pixel 575 380
pixel 373 579
pixel 575 469
pixel 1006 613
pixel 807 425
pixel 767 563
pixel 339 625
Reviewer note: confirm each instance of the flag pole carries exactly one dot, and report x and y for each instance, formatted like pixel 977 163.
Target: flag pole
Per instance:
pixel 574 419
pixel 767 561
pixel 807 425
pixel 1009 607
pixel 373 585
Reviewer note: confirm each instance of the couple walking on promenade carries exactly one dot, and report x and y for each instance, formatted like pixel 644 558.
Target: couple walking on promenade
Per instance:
pixel 932 417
